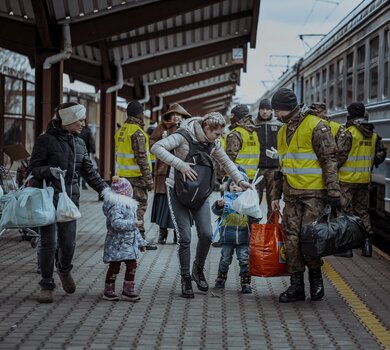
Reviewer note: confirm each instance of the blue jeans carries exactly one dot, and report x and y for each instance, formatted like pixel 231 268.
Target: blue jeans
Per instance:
pixel 58 243
pixel 242 252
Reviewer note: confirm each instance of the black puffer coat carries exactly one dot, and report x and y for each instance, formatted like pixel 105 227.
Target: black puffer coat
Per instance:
pixel 59 148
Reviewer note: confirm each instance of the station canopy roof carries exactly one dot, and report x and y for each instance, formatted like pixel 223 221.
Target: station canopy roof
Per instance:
pixel 186 51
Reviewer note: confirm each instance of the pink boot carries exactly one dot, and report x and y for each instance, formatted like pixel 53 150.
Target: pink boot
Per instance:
pixel 129 292
pixel 109 292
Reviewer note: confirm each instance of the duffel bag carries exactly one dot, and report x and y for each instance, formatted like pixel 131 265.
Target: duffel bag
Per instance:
pixel 328 236
pixel 28 207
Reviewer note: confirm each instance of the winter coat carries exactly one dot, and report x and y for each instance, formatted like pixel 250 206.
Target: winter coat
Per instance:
pixel 179 144
pixel 234 227
pixel 59 148
pixel 123 238
pixel 161 169
pixel 267 132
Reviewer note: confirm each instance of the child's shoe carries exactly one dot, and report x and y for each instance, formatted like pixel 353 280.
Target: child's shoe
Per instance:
pixel 128 292
pixel 246 284
pixel 109 292
pixel 221 280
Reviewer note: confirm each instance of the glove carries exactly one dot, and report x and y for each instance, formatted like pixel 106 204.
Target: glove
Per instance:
pixel 57 172
pixel 334 202
pixel 149 184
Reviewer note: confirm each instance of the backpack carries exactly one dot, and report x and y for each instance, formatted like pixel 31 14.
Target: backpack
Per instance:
pixel 192 194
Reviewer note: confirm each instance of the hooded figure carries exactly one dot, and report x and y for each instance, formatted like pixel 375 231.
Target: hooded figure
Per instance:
pixel 308 177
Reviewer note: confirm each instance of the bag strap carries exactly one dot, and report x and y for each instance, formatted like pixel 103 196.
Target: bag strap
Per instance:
pixel 274 214
pixel 325 214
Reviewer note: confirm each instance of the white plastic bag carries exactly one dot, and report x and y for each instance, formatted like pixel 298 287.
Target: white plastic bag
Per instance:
pixel 248 203
pixel 66 209
pixel 28 207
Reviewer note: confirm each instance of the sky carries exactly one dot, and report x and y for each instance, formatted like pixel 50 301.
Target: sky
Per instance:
pixel 280 24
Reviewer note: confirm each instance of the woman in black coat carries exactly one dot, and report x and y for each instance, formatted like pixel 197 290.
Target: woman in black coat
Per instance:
pixel 61 152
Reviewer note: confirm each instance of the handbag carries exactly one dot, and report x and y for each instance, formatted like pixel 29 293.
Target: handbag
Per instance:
pixel 267 252
pixel 328 236
pixel 28 207
pixel 66 209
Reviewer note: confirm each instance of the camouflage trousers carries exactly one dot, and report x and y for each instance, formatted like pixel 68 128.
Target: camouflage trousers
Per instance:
pixel 299 211
pixel 266 184
pixel 140 194
pixel 355 200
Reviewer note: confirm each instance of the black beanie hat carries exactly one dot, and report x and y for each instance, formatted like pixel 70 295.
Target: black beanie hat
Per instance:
pixel 284 100
pixel 240 111
pixel 134 108
pixel 356 110
pixel 265 104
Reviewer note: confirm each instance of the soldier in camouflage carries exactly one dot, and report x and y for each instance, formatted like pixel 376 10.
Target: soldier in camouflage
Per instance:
pixel 132 146
pixel 355 174
pixel 307 183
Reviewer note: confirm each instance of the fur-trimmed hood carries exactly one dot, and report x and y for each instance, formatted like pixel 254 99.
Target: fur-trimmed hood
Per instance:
pixel 112 198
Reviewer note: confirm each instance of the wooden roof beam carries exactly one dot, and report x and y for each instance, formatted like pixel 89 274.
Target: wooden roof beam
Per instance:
pixel 194 92
pixel 159 88
pixel 254 23
pixel 98 28
pixel 180 29
pixel 18 36
pixel 169 59
pixel 43 24
pixel 197 101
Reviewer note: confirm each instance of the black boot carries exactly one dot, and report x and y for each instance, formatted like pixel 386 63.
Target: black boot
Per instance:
pixel 150 246
pixel 316 284
pixel 246 284
pixel 162 238
pixel 186 287
pixel 347 254
pixel 174 237
pixel 198 277
pixel 296 291
pixel 367 248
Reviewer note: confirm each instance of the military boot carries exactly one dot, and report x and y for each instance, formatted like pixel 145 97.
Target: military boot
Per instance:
pixel 296 291
pixel 198 277
pixel 186 287
pixel 162 238
pixel 316 284
pixel 367 248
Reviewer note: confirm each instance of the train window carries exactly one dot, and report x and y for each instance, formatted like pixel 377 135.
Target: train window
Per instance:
pixel 360 86
pixel 374 48
pixel 331 97
pixel 339 94
pixel 374 82
pixel 386 80
pixel 349 89
pixel 340 67
pixel 361 52
pixel 350 61
pixel 331 72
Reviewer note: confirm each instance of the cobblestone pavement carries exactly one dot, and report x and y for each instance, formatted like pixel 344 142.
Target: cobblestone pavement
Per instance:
pixel 162 319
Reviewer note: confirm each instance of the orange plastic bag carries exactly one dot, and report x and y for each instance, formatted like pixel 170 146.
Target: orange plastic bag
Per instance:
pixel 267 254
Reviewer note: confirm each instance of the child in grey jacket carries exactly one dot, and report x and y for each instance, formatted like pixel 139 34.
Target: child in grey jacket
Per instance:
pixel 123 240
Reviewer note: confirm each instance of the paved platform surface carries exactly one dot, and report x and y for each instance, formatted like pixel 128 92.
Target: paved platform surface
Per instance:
pixel 163 320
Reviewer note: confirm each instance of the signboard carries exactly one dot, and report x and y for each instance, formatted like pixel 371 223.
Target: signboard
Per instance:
pixel 238 55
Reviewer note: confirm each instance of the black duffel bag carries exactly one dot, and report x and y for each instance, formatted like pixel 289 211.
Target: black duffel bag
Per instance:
pixel 328 236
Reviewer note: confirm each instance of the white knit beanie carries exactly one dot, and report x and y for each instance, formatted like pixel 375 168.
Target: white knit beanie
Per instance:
pixel 72 114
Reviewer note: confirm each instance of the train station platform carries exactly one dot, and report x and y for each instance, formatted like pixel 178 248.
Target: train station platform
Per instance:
pixel 355 313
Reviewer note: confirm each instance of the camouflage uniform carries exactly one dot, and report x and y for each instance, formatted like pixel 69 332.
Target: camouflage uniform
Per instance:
pixel 304 206
pixel 355 196
pixel 143 184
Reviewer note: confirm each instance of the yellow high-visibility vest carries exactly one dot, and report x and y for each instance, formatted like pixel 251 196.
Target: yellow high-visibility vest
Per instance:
pixel 298 161
pixel 126 164
pixel 222 140
pixel 334 127
pixel 357 168
pixel 248 156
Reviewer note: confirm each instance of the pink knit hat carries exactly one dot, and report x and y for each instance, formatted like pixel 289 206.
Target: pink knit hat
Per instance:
pixel 121 185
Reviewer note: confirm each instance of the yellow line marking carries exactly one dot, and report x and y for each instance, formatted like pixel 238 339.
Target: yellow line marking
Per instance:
pixel 358 307
pixel 383 254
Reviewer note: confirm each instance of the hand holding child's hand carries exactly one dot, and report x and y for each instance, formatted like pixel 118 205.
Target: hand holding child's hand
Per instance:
pixel 220 202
